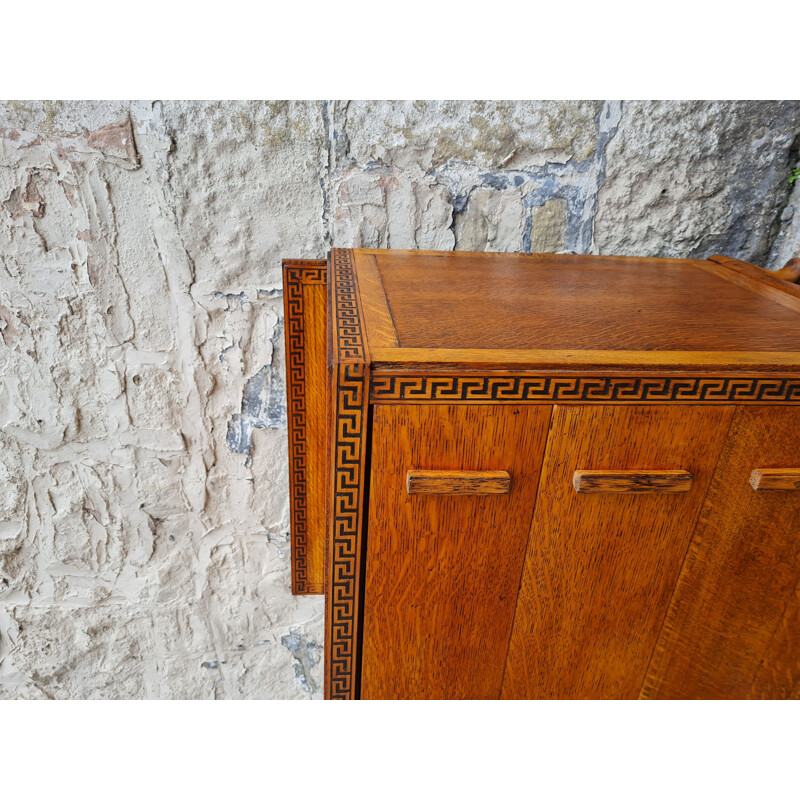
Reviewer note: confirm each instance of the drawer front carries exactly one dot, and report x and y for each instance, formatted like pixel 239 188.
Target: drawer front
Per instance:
pixel 620 492
pixel 445 545
pixel 733 627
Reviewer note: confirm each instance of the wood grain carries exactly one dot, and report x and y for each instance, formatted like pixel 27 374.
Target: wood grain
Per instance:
pixel 731 630
pixel 443 572
pixel 512 301
pixel 431 360
pixel 752 278
pixel 600 569
pixel 316 434
pixel 778 676
pixel 786 479
pixel 377 316
pixel 667 481
pixel 751 275
pixel 420 481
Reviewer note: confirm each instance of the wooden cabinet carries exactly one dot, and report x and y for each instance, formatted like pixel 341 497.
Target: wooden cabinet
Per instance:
pixel 538 476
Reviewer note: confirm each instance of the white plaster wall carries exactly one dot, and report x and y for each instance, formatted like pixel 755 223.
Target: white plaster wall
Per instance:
pixel 144 534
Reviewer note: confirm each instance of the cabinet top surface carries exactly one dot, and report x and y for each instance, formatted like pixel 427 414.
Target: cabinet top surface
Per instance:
pixel 443 307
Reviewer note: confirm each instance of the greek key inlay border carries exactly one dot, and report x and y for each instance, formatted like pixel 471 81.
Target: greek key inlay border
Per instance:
pixel 345 553
pixel 349 421
pixel 349 331
pixel 296 274
pixel 577 388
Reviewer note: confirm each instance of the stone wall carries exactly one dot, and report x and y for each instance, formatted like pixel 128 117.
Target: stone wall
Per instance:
pixel 144 537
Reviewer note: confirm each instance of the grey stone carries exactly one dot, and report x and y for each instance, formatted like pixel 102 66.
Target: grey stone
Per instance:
pixel 787 242
pixel 492 220
pixel 697 178
pixel 423 135
pixel 549 227
pixel 387 208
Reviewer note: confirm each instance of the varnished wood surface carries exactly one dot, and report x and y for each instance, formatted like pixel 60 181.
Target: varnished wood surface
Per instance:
pixel 316 433
pixel 432 360
pixel 782 479
pixel 442 572
pixel 768 283
pixel 753 278
pixel 667 481
pixel 307 389
pixel 377 316
pixel 790 271
pixel 507 301
pixel 600 568
pixel 778 676
pixel 732 627
pixel 420 481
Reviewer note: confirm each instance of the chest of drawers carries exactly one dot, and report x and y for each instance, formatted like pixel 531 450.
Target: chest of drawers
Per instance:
pixel 539 476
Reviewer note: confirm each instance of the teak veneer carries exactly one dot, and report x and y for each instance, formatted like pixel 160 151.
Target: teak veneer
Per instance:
pixel 547 476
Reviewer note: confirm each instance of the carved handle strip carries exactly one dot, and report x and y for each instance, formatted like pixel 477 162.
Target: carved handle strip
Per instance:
pixel 457 482
pixel 601 481
pixel 786 479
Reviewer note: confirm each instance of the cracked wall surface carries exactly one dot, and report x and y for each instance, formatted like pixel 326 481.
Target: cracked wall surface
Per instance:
pixel 144 527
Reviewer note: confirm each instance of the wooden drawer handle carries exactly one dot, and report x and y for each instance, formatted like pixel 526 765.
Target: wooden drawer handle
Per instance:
pixel 426 481
pixel 789 272
pixel 775 479
pixel 664 481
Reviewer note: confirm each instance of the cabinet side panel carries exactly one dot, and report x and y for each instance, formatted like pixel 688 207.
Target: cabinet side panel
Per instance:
pixel 316 434
pixel 601 568
pixel 732 629
pixel 306 390
pixel 442 572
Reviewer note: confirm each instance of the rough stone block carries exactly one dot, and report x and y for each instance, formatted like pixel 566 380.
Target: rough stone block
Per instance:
pixel 690 179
